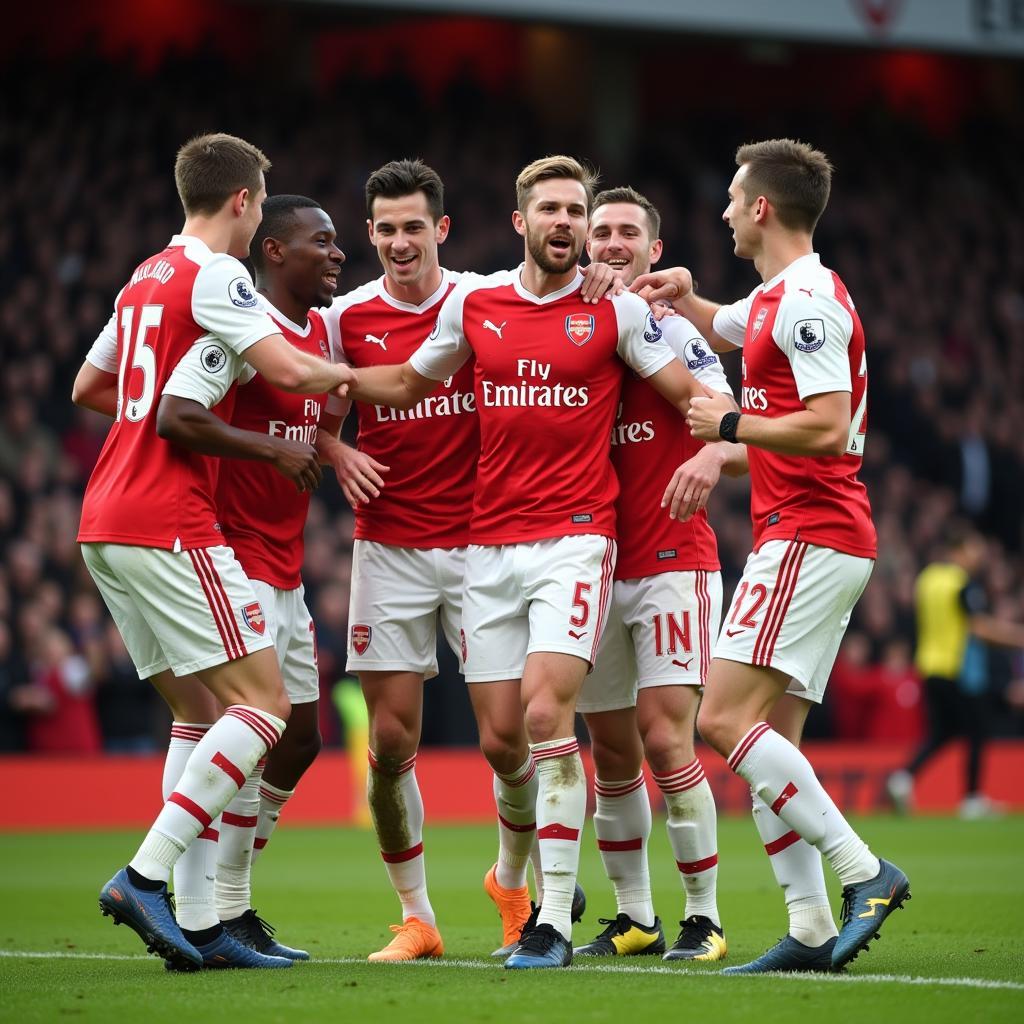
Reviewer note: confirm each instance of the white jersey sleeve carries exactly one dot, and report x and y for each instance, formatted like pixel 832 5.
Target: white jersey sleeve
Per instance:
pixel 641 341
pixel 103 353
pixel 691 349
pixel 815 334
pixel 206 372
pixel 730 322
pixel 446 349
pixel 225 303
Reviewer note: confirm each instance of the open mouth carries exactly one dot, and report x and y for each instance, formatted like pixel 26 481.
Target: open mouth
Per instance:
pixel 331 279
pixel 403 261
pixel 618 262
pixel 560 245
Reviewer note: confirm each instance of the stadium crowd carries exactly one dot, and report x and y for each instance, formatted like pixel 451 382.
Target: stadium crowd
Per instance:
pixel 918 227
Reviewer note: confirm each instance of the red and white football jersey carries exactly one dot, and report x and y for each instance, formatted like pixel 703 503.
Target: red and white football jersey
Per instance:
pixel 261 513
pixel 547 385
pixel 801 336
pixel 144 490
pixel 433 448
pixel 649 440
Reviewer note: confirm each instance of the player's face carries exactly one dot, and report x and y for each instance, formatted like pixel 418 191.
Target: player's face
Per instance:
pixel 620 236
pixel 739 215
pixel 312 259
pixel 555 224
pixel 406 237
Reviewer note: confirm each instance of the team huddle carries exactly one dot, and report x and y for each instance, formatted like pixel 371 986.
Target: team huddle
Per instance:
pixel 513 480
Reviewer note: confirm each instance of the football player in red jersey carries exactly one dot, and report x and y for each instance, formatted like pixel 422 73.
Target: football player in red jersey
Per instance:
pixel 641 698
pixel 411 535
pixel 149 532
pixel 804 419
pixel 541 544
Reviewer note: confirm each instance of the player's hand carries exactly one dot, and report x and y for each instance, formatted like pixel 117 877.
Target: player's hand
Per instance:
pixel 671 285
pixel 298 462
pixel 692 483
pixel 349 379
pixel 601 281
pixel 661 309
pixel 359 475
pixel 705 415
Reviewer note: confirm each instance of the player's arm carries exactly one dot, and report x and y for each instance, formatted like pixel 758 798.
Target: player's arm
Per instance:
pixel 675 285
pixel 284 366
pixel 190 424
pixel 95 389
pixel 821 428
pixel 399 386
pixel 95 386
pixel 359 475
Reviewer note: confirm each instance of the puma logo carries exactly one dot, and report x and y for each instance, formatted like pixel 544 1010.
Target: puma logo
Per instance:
pixel 734 632
pixel 572 633
pixel 808 290
pixel 497 330
pixel 685 666
pixel 373 340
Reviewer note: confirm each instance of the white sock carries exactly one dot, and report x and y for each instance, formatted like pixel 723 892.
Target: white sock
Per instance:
pixel 561 811
pixel 622 822
pixel 219 765
pixel 272 801
pixel 234 848
pixel 193 871
pixel 784 779
pixel 538 869
pixel 692 828
pixel 397 810
pixel 516 798
pixel 797 868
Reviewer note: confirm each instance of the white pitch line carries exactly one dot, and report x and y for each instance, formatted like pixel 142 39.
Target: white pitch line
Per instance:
pixel 877 979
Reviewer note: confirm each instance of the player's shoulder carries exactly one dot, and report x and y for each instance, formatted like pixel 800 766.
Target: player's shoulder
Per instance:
pixel 630 304
pixel 687 342
pixel 470 281
pixel 355 297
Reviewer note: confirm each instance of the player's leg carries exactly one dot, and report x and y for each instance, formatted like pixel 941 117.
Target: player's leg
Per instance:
pixel 672 617
pixel 194 711
pixel 666 716
pixel 944 723
pixel 271 784
pixel 789 631
pixel 192 607
pixel 567 583
pixel 393 648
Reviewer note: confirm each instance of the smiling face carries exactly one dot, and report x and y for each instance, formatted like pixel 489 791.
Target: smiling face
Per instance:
pixel 312 259
pixel 406 238
pixel 620 235
pixel 554 224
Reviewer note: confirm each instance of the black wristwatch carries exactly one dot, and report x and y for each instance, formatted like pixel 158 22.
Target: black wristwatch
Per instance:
pixel 727 428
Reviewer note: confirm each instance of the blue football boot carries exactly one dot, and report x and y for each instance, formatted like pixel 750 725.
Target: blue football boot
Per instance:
pixel 543 947
pixel 579 907
pixel 789 954
pixel 225 951
pixel 866 905
pixel 149 915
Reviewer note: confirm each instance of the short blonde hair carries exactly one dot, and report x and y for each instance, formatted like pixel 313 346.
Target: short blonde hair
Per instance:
pixel 554 167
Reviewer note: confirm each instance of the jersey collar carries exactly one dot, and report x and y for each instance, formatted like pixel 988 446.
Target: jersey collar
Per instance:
pixel 523 293
pixel 812 259
pixel 408 307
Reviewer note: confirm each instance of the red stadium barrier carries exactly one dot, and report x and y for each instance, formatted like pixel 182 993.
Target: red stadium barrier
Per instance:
pixel 111 792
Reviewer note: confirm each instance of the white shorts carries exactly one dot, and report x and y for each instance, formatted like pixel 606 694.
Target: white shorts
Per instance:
pixel 659 633
pixel 396 596
pixel 183 610
pixel 545 595
pixel 291 629
pixel 791 609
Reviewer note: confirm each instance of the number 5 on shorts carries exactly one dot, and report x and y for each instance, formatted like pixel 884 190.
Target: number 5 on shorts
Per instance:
pixel 580 601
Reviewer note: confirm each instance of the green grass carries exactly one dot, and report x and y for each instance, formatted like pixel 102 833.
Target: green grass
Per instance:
pixel 326 890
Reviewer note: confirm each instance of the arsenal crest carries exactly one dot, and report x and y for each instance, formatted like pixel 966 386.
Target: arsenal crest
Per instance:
pixel 579 327
pixel 361 636
pixel 324 351
pixel 758 323
pixel 253 615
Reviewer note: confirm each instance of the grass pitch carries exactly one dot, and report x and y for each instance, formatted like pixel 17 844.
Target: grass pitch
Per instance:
pixel 955 953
